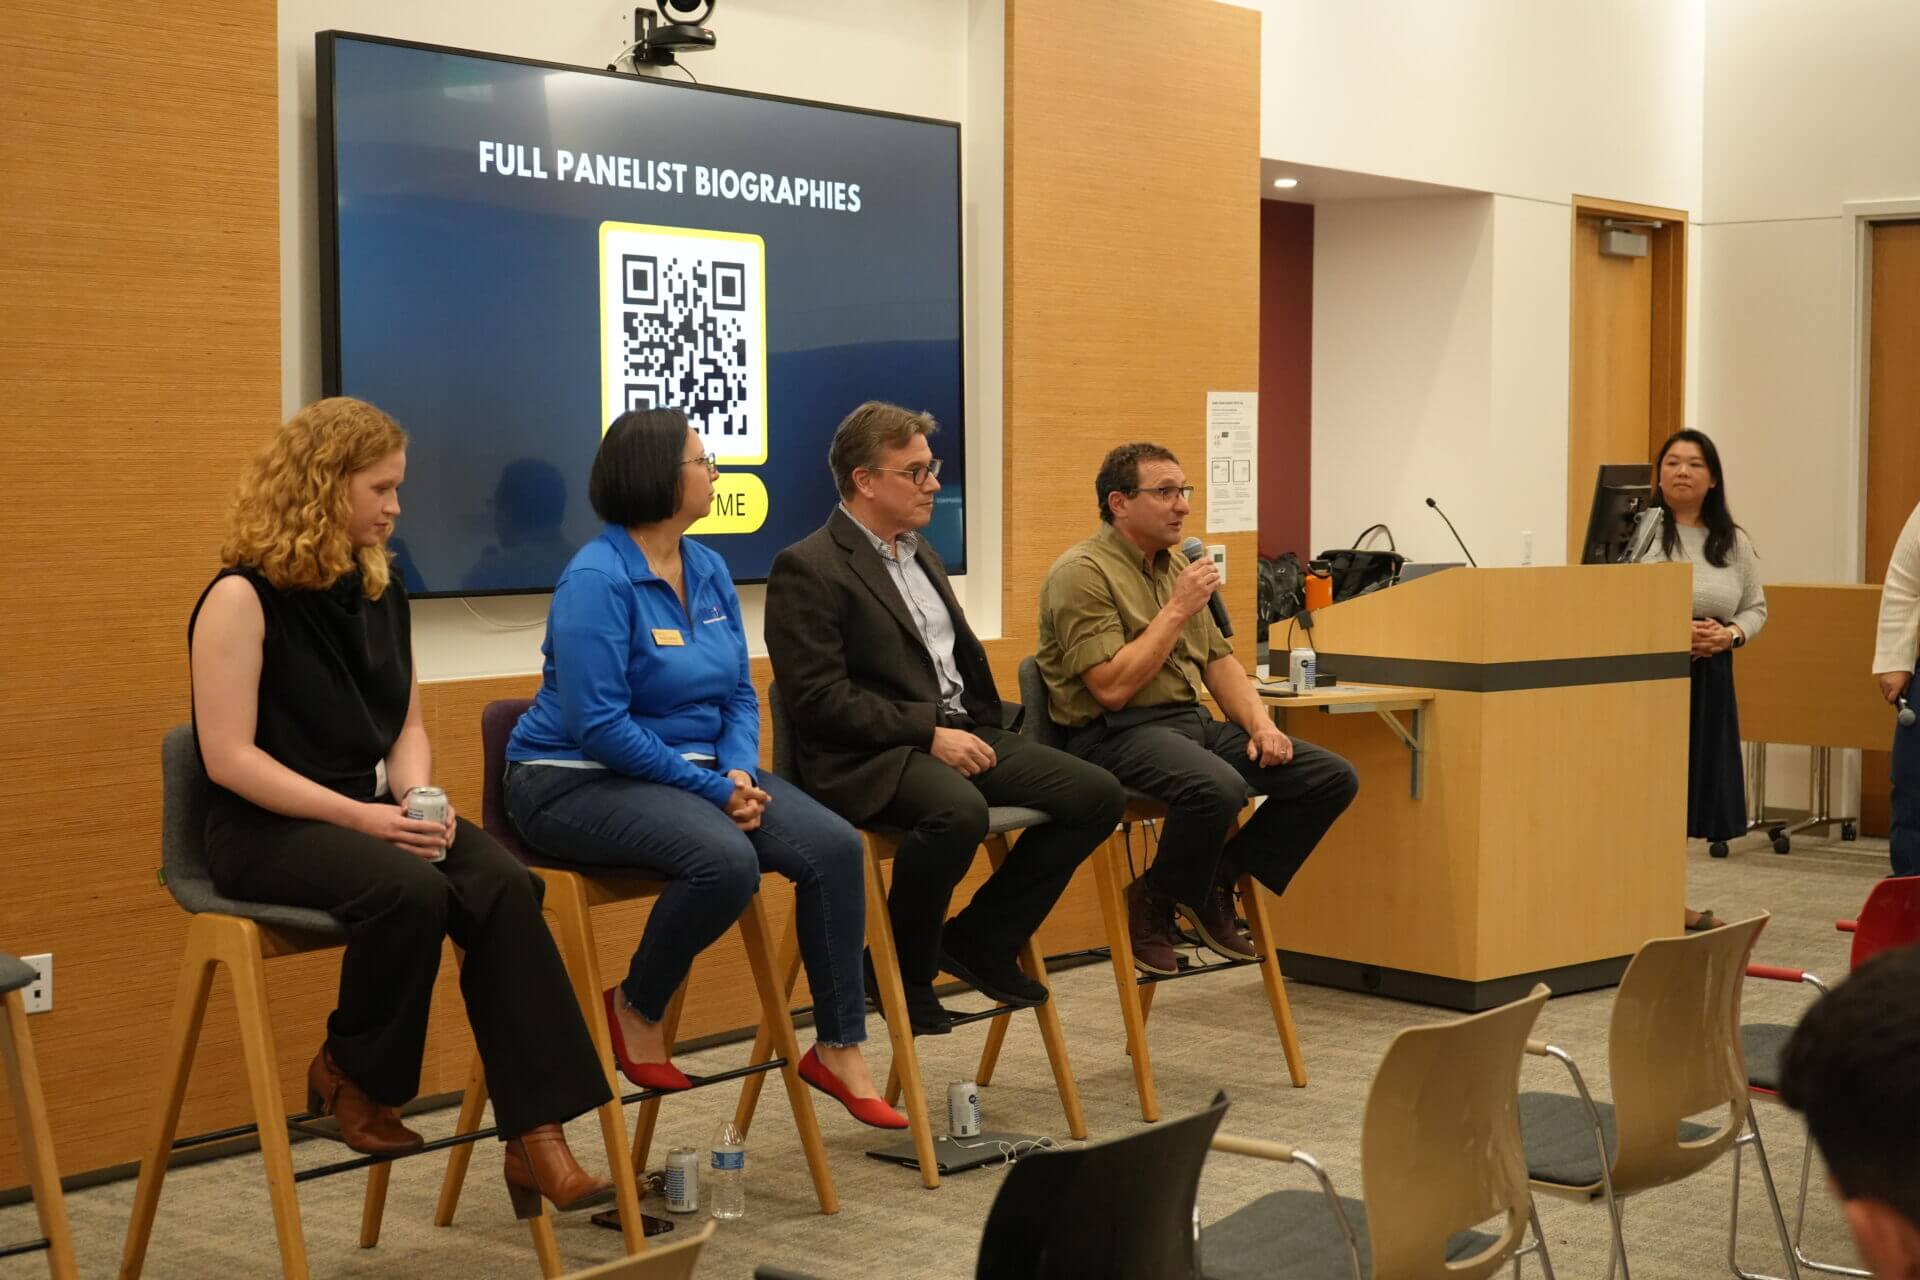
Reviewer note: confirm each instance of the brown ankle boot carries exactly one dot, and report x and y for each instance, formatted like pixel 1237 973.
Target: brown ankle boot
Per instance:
pixel 369 1127
pixel 1150 929
pixel 540 1164
pixel 1215 922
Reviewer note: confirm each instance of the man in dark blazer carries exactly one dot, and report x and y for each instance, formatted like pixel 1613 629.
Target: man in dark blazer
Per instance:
pixel 897 721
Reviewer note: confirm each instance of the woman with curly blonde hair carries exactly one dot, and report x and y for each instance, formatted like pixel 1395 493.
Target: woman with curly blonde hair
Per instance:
pixel 307 715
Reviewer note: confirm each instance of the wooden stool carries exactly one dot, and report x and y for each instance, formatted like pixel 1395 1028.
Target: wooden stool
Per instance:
pixel 242 936
pixel 30 1116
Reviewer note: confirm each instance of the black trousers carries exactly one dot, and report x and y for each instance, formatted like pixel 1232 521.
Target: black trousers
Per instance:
pixel 944 817
pixel 1198 767
pixel 397 908
pixel 1716 781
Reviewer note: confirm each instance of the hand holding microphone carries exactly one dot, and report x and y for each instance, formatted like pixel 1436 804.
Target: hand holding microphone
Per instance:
pixel 1203 575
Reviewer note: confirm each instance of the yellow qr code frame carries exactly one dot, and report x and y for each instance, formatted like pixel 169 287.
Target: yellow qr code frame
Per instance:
pixel 612 381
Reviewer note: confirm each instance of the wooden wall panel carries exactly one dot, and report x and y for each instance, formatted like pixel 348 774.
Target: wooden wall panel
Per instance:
pixel 139 370
pixel 139 366
pixel 1132 259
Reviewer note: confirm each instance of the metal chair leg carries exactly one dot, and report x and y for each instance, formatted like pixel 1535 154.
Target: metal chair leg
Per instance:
pixel 1788 1244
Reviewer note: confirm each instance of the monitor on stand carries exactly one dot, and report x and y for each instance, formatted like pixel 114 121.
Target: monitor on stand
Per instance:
pixel 1621 492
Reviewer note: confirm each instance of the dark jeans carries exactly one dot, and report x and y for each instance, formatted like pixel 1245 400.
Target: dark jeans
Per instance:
pixel 944 818
pixel 1198 767
pixel 1904 841
pixel 397 908
pixel 603 819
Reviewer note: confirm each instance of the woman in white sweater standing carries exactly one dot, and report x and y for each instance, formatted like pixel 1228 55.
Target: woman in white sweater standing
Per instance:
pixel 1894 653
pixel 1692 523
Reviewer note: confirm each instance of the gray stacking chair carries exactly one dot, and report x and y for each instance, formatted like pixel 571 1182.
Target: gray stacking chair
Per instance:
pixel 30 1118
pixel 1110 873
pixel 242 936
pixel 880 844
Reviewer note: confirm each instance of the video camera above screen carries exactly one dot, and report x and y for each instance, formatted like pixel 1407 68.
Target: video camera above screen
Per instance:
pixel 514 253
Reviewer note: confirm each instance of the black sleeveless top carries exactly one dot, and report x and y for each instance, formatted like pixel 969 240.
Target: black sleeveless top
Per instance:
pixel 336 673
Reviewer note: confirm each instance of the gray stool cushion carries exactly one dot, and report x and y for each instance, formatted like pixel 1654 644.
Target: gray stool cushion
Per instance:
pixel 1763 1044
pixel 15 973
pixel 186 793
pixel 1559 1138
pixel 1293 1234
pixel 1002 818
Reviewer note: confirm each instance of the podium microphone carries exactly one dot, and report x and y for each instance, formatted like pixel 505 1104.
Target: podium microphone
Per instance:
pixel 1194 549
pixel 1455 532
pixel 1906 716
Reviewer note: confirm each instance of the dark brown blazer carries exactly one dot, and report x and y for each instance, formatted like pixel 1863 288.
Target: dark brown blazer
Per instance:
pixel 852 671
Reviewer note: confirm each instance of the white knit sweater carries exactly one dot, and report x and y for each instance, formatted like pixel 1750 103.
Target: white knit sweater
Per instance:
pixel 1894 649
pixel 1731 593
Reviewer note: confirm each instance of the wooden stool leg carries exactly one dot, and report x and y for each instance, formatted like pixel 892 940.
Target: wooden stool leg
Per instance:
pixel 545 1247
pixel 240 943
pixel 36 1137
pixel 649 1111
pixel 903 1078
pixel 990 1051
pixel 1054 1038
pixel 183 1036
pixel 774 1014
pixel 573 927
pixel 1253 896
pixel 473 1102
pixel 787 970
pixel 1113 910
pixel 373 1206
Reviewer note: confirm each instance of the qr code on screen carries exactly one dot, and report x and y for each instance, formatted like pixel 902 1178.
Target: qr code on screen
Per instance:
pixel 684 326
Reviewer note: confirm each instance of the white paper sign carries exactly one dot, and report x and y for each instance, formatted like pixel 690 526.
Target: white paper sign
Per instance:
pixel 1233 461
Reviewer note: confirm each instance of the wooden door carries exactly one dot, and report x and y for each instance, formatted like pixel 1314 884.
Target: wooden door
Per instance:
pixel 1625 389
pixel 1893 438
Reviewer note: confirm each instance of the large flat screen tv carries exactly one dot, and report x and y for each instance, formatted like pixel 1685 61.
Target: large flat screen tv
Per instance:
pixel 514 253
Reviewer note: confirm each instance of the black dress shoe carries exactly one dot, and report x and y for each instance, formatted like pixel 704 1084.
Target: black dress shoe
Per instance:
pixel 1002 980
pixel 926 1016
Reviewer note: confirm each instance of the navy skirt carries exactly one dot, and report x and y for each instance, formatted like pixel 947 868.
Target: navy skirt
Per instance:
pixel 1716 779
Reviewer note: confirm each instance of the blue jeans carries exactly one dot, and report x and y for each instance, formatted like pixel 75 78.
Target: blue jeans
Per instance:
pixel 1904 836
pixel 597 818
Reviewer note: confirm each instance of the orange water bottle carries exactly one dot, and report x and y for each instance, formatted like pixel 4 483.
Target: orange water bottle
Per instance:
pixel 1318 585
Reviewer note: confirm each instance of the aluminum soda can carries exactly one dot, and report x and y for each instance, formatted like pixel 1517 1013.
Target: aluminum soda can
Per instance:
pixel 428 804
pixel 963 1109
pixel 1302 667
pixel 683 1180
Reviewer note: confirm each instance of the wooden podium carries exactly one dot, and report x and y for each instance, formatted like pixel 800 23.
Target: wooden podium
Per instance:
pixel 1548 841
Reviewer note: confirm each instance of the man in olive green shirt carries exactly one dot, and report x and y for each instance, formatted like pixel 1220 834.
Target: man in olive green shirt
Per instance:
pixel 1128 650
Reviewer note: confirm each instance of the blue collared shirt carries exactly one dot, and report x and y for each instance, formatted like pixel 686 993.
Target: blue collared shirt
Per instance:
pixel 924 604
pixel 635 683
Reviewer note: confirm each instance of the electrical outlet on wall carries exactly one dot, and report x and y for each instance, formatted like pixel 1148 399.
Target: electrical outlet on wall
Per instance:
pixel 1217 552
pixel 38 994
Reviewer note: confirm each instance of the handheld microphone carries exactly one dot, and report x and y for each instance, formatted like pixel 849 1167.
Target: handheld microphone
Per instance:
pixel 1455 532
pixel 1906 716
pixel 1194 549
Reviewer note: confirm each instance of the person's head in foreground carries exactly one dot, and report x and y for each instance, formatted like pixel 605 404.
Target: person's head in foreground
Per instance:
pixel 1853 1069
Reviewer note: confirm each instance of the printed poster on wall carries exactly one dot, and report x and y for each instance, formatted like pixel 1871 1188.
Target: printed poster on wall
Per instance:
pixel 1233 451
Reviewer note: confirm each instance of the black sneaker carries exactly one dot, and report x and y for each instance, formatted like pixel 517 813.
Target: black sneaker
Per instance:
pixel 997 980
pixel 926 1016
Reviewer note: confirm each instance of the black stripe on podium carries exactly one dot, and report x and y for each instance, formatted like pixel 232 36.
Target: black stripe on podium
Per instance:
pixel 1506 677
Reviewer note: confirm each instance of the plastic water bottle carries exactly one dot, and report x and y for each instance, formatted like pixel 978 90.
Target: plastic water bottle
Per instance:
pixel 727 1175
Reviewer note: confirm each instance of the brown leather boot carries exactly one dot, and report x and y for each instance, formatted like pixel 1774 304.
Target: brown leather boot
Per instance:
pixel 1215 922
pixel 369 1127
pixel 539 1163
pixel 1150 929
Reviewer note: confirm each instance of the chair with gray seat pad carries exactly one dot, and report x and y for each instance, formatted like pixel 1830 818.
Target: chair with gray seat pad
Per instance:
pixel 1674 1057
pixel 30 1119
pixel 1111 874
pixel 242 936
pixel 904 1086
pixel 1440 1155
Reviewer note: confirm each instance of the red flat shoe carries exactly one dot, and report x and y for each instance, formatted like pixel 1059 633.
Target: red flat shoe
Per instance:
pixel 868 1111
pixel 663 1076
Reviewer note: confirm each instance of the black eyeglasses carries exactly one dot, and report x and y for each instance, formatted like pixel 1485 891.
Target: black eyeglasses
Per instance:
pixel 1166 492
pixel 918 475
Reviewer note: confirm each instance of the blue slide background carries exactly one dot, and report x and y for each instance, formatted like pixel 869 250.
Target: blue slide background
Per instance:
pixel 469 303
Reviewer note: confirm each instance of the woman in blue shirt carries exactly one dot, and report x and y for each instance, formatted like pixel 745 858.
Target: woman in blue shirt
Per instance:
pixel 642 750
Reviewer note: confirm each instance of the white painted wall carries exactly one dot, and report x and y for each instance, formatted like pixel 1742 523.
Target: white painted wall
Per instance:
pixel 940 58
